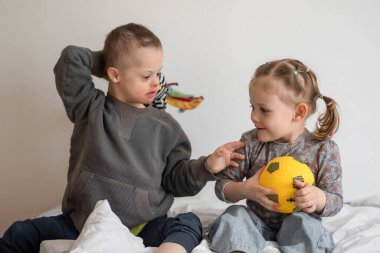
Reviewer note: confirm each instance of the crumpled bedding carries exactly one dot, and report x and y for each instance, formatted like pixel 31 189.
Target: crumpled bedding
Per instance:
pixel 355 229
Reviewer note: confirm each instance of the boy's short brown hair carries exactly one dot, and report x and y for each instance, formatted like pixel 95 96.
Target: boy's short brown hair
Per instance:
pixel 122 39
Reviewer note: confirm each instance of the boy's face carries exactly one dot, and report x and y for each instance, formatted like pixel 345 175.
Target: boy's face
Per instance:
pixel 138 82
pixel 273 119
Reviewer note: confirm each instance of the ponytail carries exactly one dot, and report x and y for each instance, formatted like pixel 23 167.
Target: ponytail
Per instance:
pixel 328 123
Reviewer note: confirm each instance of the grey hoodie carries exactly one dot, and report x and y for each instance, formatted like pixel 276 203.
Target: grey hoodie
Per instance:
pixel 137 159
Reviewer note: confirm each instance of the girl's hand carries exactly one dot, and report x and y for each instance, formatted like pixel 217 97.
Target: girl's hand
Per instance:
pixel 309 198
pixel 223 157
pixel 254 191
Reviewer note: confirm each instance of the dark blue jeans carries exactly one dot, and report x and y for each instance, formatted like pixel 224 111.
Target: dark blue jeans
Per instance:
pixel 26 236
pixel 184 229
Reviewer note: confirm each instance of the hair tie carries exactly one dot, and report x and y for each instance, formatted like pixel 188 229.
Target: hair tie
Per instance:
pixel 295 72
pixel 307 70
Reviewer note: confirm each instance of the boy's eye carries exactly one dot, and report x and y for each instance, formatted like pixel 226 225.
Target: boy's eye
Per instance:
pixel 146 77
pixel 264 110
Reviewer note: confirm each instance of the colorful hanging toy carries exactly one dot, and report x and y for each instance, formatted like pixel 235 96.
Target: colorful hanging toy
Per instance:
pixel 175 98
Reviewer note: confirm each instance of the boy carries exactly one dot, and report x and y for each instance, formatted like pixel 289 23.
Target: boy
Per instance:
pixel 133 155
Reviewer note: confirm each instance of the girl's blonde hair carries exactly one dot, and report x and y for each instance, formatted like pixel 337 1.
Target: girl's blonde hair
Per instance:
pixel 301 83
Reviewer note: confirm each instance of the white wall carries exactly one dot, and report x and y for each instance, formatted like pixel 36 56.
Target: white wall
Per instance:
pixel 211 49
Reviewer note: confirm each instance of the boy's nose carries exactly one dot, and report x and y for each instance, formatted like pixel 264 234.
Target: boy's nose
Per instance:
pixel 156 82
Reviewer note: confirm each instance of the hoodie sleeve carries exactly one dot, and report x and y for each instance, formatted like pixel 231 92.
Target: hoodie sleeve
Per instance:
pixel 73 78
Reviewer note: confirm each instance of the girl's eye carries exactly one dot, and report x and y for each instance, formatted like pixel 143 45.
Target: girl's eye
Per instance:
pixel 146 77
pixel 264 110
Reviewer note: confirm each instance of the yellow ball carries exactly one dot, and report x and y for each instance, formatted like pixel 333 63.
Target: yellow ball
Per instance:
pixel 279 174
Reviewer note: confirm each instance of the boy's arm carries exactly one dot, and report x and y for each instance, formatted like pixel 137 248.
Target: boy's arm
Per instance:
pixel 74 81
pixel 184 177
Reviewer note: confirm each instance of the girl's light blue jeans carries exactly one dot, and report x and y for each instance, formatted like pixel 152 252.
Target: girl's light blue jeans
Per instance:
pixel 239 229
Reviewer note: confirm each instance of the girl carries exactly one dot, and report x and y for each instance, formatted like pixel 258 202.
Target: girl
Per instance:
pixel 283 94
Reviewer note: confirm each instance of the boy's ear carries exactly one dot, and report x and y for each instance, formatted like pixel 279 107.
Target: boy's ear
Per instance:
pixel 301 111
pixel 113 74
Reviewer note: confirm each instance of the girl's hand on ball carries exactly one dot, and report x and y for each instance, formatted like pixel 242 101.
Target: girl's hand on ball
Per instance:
pixel 307 197
pixel 254 191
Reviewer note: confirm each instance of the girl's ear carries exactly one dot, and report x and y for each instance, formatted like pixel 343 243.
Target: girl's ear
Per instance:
pixel 301 112
pixel 113 74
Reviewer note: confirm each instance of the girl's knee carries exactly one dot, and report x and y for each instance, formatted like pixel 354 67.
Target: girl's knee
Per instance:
pixel 305 230
pixel 236 210
pixel 233 219
pixel 300 219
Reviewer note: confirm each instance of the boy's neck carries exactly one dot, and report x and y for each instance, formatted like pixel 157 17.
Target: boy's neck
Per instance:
pixel 116 95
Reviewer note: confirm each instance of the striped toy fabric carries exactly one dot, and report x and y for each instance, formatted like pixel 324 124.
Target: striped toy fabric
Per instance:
pixel 159 101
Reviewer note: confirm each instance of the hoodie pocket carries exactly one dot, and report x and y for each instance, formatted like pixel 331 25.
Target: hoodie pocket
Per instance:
pixel 129 203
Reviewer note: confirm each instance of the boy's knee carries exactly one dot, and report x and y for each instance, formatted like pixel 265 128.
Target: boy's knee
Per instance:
pixel 191 221
pixel 188 217
pixel 184 229
pixel 21 236
pixel 18 231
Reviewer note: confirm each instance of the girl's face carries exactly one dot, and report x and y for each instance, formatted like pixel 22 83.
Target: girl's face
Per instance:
pixel 138 83
pixel 273 119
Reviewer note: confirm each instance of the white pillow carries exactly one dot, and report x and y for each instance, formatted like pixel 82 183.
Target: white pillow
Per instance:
pixel 104 232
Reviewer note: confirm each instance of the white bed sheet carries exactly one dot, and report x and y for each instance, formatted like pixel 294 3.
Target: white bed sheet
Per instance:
pixel 356 229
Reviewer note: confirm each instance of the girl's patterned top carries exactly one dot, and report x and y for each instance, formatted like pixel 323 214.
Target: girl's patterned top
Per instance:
pixel 321 156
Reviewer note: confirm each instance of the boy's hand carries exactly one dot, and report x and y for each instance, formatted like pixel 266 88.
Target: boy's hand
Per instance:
pixel 223 157
pixel 309 198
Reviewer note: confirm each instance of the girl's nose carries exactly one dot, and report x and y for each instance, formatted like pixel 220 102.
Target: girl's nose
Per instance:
pixel 254 117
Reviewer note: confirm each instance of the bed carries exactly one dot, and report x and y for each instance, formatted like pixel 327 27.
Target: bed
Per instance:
pixel 355 229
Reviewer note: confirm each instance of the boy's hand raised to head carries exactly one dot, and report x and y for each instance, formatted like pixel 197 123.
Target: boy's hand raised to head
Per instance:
pixel 223 157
